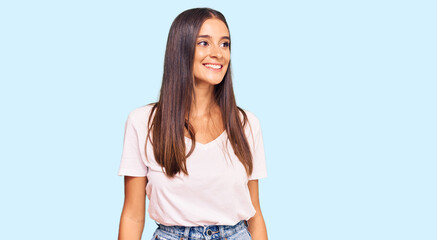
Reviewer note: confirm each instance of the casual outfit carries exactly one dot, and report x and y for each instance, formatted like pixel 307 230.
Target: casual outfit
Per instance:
pixel 214 194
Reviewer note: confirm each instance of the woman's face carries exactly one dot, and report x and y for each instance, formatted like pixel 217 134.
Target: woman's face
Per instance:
pixel 212 55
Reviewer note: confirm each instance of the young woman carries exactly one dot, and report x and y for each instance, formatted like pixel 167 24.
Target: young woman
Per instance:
pixel 195 154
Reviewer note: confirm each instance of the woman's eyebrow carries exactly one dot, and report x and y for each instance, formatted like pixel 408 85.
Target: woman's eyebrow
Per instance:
pixel 207 36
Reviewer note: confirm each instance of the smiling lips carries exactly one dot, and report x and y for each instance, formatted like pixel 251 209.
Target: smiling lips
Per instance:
pixel 213 67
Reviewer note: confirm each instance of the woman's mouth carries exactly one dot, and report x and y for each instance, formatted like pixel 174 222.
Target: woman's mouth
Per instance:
pixel 213 67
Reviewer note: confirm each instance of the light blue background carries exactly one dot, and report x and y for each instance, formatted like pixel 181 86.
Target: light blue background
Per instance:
pixel 345 92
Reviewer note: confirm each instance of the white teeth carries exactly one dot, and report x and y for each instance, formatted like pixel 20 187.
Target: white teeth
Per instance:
pixel 213 66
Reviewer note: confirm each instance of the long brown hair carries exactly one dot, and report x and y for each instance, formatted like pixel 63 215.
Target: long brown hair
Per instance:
pixel 176 96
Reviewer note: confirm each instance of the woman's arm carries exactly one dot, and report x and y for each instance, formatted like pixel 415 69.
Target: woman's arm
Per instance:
pixel 257 226
pixel 133 214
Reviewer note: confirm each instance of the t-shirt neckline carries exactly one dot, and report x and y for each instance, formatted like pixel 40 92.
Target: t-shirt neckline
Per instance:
pixel 205 145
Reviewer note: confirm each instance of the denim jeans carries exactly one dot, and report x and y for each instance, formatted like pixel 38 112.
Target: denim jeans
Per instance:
pixel 238 231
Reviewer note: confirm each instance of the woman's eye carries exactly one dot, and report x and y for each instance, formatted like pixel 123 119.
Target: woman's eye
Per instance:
pixel 225 44
pixel 202 43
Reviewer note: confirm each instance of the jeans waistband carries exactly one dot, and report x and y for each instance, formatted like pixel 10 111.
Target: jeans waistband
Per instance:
pixel 206 231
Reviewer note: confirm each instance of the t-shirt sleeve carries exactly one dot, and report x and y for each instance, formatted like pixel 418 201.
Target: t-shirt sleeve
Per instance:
pixel 259 159
pixel 131 161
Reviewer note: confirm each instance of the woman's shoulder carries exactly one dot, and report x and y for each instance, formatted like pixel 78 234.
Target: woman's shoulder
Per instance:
pixel 252 119
pixel 142 113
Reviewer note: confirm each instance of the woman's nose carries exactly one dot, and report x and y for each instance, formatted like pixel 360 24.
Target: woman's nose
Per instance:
pixel 215 52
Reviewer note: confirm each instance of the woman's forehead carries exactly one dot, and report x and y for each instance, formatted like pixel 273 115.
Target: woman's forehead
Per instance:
pixel 214 27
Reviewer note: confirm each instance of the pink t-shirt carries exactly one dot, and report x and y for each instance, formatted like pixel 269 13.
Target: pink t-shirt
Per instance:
pixel 214 193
